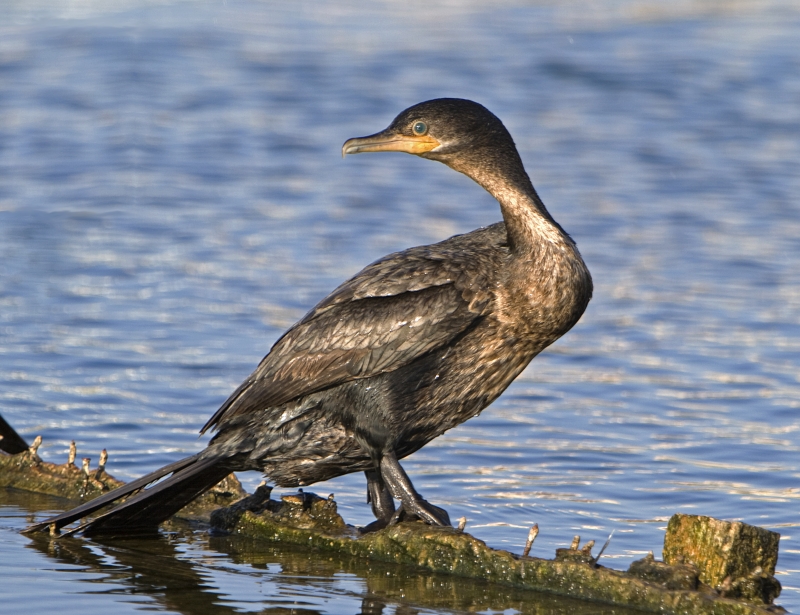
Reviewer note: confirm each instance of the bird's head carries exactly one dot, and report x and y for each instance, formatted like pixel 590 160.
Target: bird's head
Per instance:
pixel 443 129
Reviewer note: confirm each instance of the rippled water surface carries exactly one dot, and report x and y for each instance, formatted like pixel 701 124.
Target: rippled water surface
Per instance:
pixel 172 197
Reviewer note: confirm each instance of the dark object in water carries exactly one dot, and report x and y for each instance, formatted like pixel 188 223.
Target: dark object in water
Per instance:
pixel 10 441
pixel 413 345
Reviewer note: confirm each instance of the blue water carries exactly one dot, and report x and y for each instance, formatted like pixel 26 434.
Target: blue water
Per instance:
pixel 172 198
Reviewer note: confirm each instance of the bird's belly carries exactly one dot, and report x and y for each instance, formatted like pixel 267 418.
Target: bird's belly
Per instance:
pixel 326 450
pixel 458 384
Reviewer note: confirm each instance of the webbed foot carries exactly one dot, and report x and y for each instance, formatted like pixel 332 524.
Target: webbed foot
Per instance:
pixel 424 511
pixel 413 505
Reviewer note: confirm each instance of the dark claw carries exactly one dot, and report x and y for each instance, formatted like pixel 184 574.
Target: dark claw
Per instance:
pixel 413 506
pixel 440 513
pixel 423 511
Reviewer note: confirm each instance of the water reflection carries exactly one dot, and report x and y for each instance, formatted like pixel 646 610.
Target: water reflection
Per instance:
pixel 151 568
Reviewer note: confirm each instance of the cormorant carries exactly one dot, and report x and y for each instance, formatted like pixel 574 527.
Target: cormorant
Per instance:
pixel 413 345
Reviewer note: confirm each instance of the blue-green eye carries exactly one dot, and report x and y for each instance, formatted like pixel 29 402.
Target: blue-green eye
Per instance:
pixel 420 128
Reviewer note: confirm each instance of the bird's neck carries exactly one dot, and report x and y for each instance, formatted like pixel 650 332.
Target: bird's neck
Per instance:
pixel 499 170
pixel 529 226
pixel 546 279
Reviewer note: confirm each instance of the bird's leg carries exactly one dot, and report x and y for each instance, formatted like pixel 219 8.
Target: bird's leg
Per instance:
pixel 381 501
pixel 401 488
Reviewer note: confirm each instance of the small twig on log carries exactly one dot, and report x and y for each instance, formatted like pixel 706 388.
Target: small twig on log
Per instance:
pixel 37 442
pixel 604 547
pixel 531 537
pixel 102 465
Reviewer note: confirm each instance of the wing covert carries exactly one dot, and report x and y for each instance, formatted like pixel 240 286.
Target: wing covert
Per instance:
pixel 392 312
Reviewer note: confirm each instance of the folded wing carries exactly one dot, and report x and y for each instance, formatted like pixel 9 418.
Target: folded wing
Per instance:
pixel 389 314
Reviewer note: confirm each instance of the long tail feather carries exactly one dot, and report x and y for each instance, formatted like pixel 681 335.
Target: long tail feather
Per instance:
pixel 146 510
pixel 88 508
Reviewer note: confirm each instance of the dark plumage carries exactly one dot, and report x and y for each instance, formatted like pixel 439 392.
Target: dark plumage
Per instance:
pixel 10 441
pixel 413 345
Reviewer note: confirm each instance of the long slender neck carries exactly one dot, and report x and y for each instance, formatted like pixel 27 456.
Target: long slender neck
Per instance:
pixel 528 223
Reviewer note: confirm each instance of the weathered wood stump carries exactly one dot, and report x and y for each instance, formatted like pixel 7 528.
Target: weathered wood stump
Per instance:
pixel 735 558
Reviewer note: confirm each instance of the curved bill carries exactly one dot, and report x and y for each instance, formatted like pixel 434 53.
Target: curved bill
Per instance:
pixel 388 141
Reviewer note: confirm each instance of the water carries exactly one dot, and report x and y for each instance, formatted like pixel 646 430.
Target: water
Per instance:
pixel 172 198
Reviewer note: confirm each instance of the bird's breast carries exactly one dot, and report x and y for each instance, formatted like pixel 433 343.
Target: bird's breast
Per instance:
pixel 543 297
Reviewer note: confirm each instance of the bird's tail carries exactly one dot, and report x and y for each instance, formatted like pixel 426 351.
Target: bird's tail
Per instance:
pixel 144 511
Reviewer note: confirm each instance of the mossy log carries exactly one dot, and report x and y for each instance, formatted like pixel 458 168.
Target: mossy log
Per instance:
pixel 307 520
pixel 312 522
pixel 27 471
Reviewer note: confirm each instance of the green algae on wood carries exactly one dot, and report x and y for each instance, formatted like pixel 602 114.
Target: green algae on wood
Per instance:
pixel 450 551
pixel 676 576
pixel 734 558
pixel 28 472
pixel 301 511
